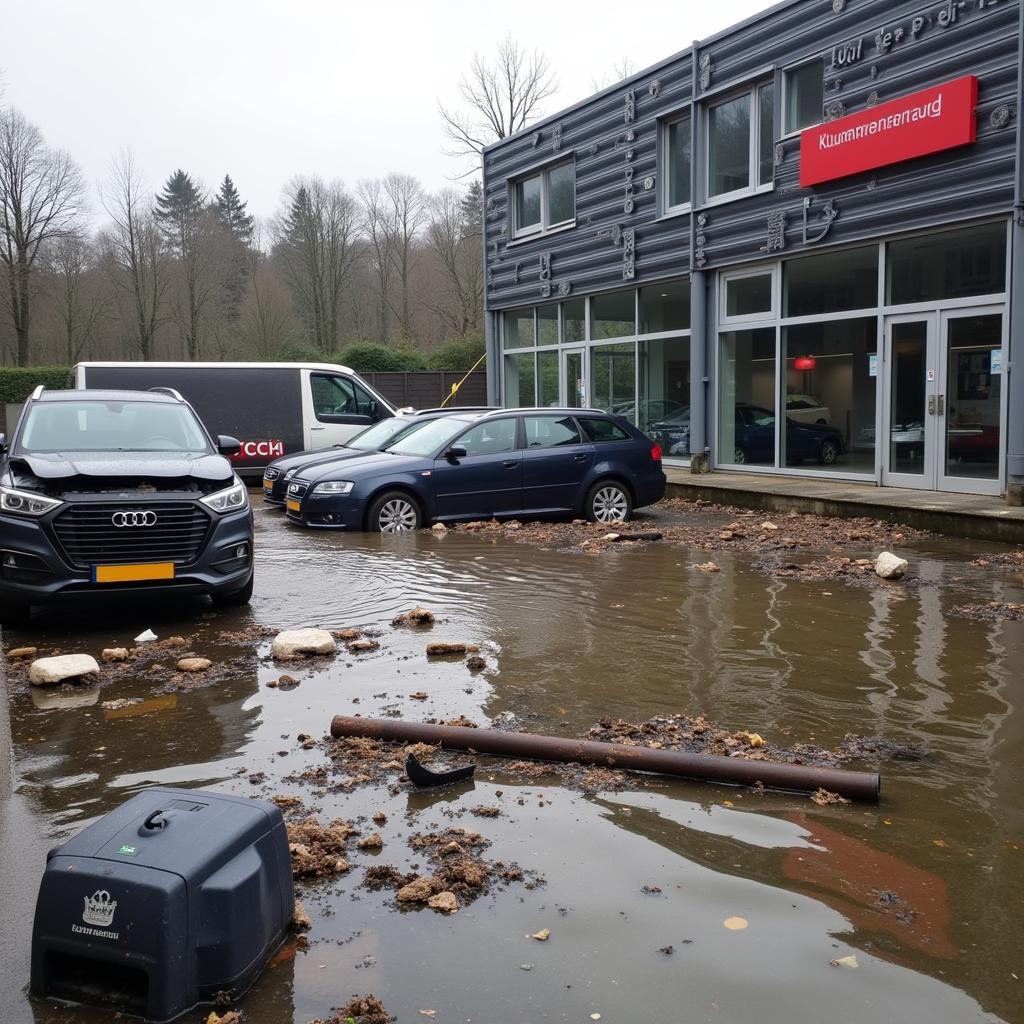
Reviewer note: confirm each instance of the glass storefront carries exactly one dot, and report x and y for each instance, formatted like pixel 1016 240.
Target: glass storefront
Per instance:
pixel 746 404
pixel 613 378
pixel 663 409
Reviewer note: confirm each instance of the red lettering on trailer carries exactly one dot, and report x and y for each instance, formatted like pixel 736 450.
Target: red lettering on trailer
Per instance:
pixel 269 449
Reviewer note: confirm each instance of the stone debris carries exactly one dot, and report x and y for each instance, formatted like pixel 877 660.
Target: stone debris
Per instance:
pixel 890 567
pixel 346 634
pixel 22 652
pixel 317 850
pixel 475 663
pixel 419 890
pixel 63 667
pixel 290 644
pixel 371 842
pixel 991 611
pixel 300 919
pixel 193 664
pixel 359 1010
pixel 439 528
pixel 362 646
pixel 114 654
pixel 707 567
pixel 119 703
pixel 441 650
pixel 414 617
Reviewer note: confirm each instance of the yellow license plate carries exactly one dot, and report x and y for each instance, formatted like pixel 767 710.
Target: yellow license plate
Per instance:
pixel 133 573
pixel 294 506
pixel 267 485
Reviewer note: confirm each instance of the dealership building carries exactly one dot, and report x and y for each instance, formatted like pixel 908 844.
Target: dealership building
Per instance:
pixel 795 247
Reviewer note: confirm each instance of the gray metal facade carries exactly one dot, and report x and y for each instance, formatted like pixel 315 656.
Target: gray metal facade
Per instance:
pixel 873 51
pixel 619 238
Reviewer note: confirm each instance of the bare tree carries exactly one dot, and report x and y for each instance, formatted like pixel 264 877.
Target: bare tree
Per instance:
pixel 134 249
pixel 316 245
pixel 267 325
pixel 500 96
pixel 455 240
pixel 407 209
pixel 621 70
pixel 41 194
pixel 377 233
pixel 80 306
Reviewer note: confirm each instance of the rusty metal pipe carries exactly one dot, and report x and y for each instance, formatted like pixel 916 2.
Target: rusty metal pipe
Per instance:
pixel 735 771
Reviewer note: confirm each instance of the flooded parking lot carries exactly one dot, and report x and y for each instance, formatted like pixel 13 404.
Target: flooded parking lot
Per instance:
pixel 664 900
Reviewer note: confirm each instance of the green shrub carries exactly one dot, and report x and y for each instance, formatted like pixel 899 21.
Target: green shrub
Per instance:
pixel 18 382
pixel 369 357
pixel 459 355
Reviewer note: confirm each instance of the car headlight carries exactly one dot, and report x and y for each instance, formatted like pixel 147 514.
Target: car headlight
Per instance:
pixel 26 503
pixel 334 487
pixel 228 500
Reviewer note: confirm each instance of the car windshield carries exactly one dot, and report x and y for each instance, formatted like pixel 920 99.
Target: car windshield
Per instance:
pixel 96 426
pixel 380 434
pixel 431 436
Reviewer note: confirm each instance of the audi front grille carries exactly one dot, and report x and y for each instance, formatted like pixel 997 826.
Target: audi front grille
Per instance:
pixel 115 532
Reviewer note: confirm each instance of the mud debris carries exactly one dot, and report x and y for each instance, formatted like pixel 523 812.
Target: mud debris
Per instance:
pixel 374 841
pixel 476 663
pixel 300 919
pixel 317 850
pixel 22 652
pixel 704 526
pixel 444 650
pixel 113 654
pixel 824 797
pixel 193 664
pixel 360 1009
pixel 990 611
pixel 362 646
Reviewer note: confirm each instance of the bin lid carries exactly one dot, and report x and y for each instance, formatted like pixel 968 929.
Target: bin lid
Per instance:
pixel 188 832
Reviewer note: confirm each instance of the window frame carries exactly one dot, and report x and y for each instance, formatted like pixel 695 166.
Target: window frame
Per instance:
pixel 787 132
pixel 544 227
pixel 771 270
pixel 751 90
pixel 347 417
pixel 665 207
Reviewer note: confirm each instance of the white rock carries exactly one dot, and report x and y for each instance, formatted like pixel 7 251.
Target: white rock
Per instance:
pixel 890 567
pixel 145 636
pixel 439 528
pixel 295 643
pixel 51 671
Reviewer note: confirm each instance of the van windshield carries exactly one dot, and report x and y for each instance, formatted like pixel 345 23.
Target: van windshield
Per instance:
pixel 429 437
pixel 96 426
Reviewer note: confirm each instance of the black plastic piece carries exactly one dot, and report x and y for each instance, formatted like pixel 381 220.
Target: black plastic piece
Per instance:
pixel 424 777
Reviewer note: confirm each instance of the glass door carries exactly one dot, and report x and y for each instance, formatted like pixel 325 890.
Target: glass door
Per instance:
pixel 574 378
pixel 908 440
pixel 942 414
pixel 969 403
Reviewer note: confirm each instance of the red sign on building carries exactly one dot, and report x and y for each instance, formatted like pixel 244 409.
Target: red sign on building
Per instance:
pixel 923 122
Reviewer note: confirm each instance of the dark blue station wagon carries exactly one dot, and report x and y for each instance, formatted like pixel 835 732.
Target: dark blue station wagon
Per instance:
pixel 509 462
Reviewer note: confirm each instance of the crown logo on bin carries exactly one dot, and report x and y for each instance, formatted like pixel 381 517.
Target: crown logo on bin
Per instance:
pixel 99 909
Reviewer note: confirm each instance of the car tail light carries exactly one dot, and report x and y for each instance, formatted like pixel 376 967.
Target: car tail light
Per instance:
pixel 656 453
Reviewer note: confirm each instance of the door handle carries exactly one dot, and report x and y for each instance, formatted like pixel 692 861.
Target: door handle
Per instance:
pixel 579 458
pixel 511 464
pixel 942 405
pixel 317 428
pixel 931 405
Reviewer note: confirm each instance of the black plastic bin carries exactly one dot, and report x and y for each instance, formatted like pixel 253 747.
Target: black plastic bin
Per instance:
pixel 175 896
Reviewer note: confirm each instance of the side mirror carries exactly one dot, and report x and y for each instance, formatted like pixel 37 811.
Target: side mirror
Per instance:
pixel 227 445
pixel 3 444
pixel 455 453
pixel 374 409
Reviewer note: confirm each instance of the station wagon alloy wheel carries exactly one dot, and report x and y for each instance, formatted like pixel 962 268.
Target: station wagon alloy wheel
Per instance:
pixel 609 503
pixel 395 514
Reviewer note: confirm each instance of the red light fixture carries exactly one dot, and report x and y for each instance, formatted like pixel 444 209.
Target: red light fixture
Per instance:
pixel 805 363
pixel 656 453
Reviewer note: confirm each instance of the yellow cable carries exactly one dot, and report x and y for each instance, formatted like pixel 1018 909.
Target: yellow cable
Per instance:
pixel 455 387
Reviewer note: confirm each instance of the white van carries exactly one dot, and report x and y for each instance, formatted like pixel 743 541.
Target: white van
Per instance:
pixel 273 409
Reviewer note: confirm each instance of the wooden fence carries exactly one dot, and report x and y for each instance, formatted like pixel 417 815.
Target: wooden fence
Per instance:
pixel 426 389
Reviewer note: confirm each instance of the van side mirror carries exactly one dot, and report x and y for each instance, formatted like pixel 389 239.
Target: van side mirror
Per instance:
pixel 455 453
pixel 3 444
pixel 374 409
pixel 228 445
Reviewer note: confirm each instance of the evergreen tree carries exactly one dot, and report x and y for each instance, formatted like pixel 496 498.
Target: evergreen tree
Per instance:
pixel 473 208
pixel 178 209
pixel 231 212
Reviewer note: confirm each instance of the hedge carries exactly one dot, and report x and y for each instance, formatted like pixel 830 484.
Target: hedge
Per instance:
pixel 18 382
pixel 369 357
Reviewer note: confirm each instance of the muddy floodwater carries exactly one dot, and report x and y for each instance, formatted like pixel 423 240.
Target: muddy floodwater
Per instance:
pixel 908 911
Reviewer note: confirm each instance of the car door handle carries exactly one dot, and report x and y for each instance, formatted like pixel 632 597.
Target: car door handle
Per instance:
pixel 317 428
pixel 511 464
pixel 579 458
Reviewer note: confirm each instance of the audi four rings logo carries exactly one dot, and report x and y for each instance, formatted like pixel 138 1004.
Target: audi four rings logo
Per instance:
pixel 123 519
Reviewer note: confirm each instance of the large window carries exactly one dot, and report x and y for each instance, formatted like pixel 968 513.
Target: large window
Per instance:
pixel 663 409
pixel 547 325
pixel 665 307
pixel 547 378
pixel 520 380
pixel 613 378
pixel 949 265
pixel 545 199
pixel 676 154
pixel 574 320
pixel 804 91
pixel 517 329
pixel 746 404
pixel 613 315
pixel 831 369
pixel 740 131
pixel 830 282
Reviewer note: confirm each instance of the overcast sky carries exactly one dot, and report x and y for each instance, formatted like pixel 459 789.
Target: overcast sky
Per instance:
pixel 265 90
